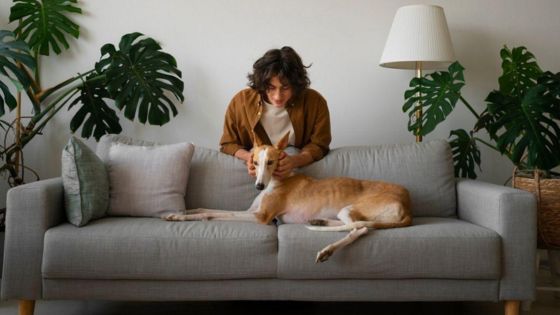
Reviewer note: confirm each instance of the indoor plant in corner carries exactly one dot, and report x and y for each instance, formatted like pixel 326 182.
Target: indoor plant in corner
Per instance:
pixel 136 77
pixel 521 119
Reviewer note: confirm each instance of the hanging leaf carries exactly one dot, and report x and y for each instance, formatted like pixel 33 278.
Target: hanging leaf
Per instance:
pixel 466 154
pixel 140 78
pixel 438 93
pixel 526 126
pixel 520 71
pixel 44 24
pixel 12 52
pixel 552 83
pixel 95 115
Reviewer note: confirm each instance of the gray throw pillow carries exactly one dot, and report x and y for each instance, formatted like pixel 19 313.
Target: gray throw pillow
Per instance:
pixel 148 181
pixel 86 183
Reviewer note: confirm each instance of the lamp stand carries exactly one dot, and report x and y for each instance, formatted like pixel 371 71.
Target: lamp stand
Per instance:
pixel 419 105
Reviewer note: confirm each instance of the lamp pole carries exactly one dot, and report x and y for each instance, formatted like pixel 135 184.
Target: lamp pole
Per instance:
pixel 419 104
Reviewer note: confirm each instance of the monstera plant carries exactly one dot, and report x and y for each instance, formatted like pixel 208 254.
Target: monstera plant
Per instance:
pixel 136 77
pixel 521 118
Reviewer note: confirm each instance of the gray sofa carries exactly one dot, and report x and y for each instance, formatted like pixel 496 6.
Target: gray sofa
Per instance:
pixel 469 240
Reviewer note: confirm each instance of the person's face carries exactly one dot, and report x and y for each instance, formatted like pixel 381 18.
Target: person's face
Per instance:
pixel 278 92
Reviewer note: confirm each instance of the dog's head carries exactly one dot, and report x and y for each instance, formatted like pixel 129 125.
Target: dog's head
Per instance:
pixel 265 159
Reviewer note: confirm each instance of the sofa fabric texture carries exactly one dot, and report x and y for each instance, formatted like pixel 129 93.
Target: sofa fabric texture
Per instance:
pixel 86 183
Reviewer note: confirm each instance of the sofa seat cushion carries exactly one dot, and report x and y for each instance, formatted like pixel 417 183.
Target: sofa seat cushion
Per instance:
pixel 153 249
pixel 433 247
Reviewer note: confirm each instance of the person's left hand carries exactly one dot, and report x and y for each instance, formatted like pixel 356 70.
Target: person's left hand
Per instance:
pixel 285 165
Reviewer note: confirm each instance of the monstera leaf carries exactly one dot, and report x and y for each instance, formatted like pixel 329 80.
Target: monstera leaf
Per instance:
pixel 465 154
pixel 95 114
pixel 437 93
pixel 140 78
pixel 12 52
pixel 552 83
pixel 520 71
pixel 526 126
pixel 44 24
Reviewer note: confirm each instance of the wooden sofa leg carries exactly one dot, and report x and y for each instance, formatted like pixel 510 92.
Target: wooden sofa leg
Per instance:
pixel 512 307
pixel 26 307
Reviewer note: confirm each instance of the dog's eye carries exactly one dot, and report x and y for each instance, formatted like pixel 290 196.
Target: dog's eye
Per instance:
pixel 255 163
pixel 270 162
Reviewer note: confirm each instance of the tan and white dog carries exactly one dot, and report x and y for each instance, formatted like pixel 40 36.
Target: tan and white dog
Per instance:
pixel 332 204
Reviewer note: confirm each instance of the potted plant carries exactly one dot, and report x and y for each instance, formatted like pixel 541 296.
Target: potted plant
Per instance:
pixel 136 77
pixel 521 119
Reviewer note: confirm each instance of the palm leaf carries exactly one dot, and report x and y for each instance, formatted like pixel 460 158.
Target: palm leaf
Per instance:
pixel 466 154
pixel 12 52
pixel 141 78
pixel 437 93
pixel 520 71
pixel 96 117
pixel 44 24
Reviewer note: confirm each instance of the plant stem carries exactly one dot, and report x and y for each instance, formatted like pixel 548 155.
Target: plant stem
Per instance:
pixel 487 144
pixel 44 94
pixel 469 106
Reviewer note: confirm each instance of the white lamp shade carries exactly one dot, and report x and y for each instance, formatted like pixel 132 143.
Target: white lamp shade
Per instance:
pixel 418 33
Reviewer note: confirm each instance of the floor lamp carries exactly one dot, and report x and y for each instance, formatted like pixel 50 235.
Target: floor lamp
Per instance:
pixel 419 39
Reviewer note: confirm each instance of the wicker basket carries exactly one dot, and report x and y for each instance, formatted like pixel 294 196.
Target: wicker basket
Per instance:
pixel 547 191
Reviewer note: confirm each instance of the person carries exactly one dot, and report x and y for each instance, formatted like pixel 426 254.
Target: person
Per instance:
pixel 278 100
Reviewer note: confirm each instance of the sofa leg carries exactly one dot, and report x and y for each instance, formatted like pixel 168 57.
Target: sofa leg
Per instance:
pixel 512 307
pixel 26 307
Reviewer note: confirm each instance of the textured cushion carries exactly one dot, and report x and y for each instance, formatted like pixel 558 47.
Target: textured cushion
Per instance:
pixel 86 185
pixel 436 248
pixel 425 169
pixel 148 180
pixel 219 181
pixel 153 249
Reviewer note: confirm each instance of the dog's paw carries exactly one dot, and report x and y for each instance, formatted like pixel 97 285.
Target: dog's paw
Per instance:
pixel 172 217
pixel 324 254
pixel 317 222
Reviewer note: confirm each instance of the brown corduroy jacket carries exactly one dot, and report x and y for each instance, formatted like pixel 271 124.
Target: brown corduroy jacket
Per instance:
pixel 308 112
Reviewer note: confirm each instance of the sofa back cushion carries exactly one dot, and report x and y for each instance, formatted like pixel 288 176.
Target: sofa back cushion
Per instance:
pixel 219 181
pixel 425 169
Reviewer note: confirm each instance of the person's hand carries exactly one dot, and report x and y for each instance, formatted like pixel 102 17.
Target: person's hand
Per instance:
pixel 286 164
pixel 251 170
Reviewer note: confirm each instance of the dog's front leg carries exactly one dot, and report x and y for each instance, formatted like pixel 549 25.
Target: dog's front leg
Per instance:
pixel 326 252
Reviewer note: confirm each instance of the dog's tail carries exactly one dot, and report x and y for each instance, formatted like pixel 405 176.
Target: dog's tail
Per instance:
pixel 346 227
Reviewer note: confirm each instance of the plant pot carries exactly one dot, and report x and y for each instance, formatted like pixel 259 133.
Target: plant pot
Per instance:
pixel 547 191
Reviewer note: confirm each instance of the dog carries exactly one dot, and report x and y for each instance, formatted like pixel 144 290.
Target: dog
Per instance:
pixel 332 204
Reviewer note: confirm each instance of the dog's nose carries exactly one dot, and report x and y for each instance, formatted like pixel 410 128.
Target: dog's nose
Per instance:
pixel 259 186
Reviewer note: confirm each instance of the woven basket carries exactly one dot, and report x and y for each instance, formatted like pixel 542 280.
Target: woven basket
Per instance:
pixel 547 191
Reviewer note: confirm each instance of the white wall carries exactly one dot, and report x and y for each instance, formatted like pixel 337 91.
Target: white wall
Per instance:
pixel 216 42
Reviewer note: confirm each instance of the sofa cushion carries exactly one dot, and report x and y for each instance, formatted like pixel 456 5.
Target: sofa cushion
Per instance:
pixel 443 248
pixel 219 181
pixel 148 180
pixel 425 169
pixel 153 249
pixel 86 183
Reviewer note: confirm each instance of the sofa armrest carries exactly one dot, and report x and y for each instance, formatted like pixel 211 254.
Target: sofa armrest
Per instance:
pixel 31 210
pixel 512 213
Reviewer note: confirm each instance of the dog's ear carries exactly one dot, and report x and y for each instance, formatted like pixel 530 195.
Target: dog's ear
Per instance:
pixel 283 143
pixel 256 141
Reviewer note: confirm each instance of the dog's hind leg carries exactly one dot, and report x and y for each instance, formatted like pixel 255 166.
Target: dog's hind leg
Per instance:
pixel 326 252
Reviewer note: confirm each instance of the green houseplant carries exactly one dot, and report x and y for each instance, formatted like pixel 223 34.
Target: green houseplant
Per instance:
pixel 136 77
pixel 521 120
pixel 521 117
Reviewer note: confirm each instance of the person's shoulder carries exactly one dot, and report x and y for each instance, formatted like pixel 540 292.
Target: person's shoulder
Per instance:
pixel 246 93
pixel 314 96
pixel 244 97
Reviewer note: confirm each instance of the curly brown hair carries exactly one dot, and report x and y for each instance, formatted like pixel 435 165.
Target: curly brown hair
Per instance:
pixel 284 63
